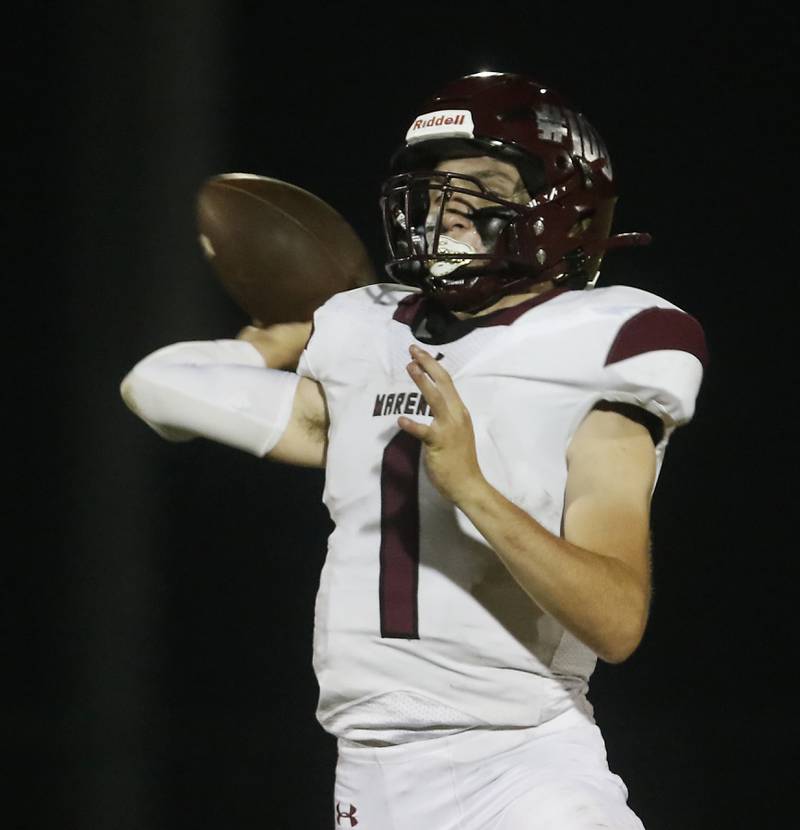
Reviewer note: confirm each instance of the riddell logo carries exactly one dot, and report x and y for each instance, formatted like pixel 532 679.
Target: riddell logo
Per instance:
pixel 350 815
pixel 441 123
pixel 437 122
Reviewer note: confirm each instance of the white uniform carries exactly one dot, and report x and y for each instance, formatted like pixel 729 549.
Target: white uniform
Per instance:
pixel 459 705
pixel 420 630
pixel 549 777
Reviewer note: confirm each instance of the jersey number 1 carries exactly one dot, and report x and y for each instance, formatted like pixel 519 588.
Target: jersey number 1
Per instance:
pixel 399 555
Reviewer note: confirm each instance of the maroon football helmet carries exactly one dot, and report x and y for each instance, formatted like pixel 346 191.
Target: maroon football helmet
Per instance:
pixel 556 232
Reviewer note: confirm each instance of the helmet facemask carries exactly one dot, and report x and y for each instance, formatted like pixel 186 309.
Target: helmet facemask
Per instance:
pixel 552 237
pixel 449 234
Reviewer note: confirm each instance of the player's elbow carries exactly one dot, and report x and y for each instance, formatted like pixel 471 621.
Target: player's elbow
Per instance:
pixel 132 390
pixel 150 401
pixel 626 634
pixel 619 650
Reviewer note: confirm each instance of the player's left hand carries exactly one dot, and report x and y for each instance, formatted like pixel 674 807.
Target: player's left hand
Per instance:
pixel 449 441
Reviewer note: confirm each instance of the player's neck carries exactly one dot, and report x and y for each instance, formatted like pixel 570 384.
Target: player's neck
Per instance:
pixel 506 302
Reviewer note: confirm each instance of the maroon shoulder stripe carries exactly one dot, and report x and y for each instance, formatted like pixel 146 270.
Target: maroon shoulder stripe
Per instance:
pixel 655 329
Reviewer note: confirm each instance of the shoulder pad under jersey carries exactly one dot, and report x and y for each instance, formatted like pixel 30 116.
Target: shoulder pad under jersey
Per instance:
pixel 653 355
pixel 342 319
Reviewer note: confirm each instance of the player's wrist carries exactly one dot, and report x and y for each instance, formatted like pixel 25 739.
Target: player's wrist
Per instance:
pixel 473 493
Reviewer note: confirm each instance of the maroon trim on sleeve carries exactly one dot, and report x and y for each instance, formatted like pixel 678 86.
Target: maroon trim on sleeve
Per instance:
pixel 655 329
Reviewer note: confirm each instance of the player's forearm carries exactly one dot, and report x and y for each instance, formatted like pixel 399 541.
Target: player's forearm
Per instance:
pixel 595 597
pixel 219 390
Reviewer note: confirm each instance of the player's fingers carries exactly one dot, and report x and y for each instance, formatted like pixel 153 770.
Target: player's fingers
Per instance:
pixel 431 393
pixel 432 366
pixel 441 378
pixel 413 428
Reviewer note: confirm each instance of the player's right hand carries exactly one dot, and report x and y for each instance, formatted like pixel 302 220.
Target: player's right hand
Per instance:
pixel 449 440
pixel 280 345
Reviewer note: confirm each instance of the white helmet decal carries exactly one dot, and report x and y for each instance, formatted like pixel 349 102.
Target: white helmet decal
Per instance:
pixel 441 124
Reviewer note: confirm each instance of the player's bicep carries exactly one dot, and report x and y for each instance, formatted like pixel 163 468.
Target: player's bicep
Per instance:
pixel 611 472
pixel 304 442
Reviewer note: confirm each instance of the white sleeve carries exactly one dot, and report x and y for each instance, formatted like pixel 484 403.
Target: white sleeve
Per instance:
pixel 656 362
pixel 664 383
pixel 218 389
pixel 306 366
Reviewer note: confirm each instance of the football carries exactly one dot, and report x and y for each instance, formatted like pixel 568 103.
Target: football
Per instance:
pixel 278 250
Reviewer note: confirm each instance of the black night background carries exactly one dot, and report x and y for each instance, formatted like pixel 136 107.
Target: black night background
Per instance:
pixel 158 599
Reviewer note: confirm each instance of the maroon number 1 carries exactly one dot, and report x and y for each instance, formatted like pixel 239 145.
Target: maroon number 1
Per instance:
pixel 399 555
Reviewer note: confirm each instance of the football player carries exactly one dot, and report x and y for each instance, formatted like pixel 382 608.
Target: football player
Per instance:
pixel 492 427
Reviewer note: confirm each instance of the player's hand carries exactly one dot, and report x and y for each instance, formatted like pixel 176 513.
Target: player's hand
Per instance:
pixel 280 345
pixel 449 441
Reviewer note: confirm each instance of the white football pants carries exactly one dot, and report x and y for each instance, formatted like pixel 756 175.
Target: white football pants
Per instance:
pixel 550 777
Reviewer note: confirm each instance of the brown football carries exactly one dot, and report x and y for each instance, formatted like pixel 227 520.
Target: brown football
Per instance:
pixel 278 250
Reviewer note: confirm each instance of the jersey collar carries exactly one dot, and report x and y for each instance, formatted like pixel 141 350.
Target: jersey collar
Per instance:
pixel 432 324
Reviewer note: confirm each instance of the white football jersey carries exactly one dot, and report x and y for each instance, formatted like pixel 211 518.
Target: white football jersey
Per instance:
pixel 419 628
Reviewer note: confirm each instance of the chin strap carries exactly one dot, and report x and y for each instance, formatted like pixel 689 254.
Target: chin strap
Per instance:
pixel 624 240
pixel 570 270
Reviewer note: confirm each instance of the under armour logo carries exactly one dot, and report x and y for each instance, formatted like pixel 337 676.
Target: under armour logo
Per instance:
pixel 350 814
